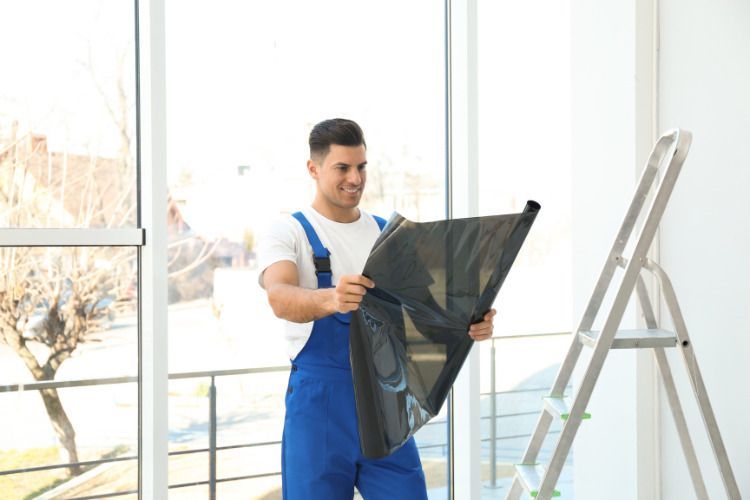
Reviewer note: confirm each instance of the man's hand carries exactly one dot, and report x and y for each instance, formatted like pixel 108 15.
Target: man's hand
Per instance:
pixel 349 292
pixel 301 305
pixel 483 329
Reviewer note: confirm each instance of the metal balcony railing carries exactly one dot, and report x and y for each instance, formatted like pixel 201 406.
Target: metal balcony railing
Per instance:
pixel 213 449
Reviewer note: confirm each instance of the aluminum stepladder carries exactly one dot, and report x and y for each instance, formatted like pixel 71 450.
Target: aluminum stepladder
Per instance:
pixel 539 481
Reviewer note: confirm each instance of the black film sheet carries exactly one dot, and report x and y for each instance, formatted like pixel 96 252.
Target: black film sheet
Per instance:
pixel 409 337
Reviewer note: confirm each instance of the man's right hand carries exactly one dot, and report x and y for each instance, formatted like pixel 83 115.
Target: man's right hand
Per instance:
pixel 349 292
pixel 302 305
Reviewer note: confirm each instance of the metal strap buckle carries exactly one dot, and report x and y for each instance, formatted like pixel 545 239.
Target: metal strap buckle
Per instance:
pixel 322 264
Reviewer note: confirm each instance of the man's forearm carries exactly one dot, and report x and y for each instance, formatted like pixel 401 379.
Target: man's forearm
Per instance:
pixel 301 305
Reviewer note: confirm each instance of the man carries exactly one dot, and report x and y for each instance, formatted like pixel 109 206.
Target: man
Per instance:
pixel 300 259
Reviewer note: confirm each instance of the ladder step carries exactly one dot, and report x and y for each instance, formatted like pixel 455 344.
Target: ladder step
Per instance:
pixel 560 407
pixel 530 477
pixel 633 339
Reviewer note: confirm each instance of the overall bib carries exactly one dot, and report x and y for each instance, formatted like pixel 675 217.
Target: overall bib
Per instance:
pixel 321 458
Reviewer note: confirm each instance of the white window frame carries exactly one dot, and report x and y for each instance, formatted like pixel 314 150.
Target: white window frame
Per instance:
pixel 152 136
pixel 462 177
pixel 461 115
pixel 149 238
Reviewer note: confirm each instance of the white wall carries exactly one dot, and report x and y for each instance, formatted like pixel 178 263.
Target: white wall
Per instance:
pixel 704 82
pixel 613 70
pixel 603 159
pixel 705 88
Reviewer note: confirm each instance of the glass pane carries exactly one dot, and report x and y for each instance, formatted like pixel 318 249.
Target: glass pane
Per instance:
pixel 69 316
pixel 524 368
pixel 67 114
pixel 242 100
pixel 524 153
pixel 252 411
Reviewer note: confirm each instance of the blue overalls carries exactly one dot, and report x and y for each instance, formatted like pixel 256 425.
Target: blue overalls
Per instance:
pixel 321 458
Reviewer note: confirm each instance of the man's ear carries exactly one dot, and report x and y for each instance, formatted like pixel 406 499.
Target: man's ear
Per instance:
pixel 312 169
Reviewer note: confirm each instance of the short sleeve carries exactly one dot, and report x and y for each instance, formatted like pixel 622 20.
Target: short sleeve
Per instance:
pixel 277 244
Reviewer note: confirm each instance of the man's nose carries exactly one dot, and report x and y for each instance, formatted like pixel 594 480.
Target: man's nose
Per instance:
pixel 354 176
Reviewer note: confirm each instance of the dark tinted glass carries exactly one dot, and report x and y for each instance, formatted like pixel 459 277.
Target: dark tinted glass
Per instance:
pixel 409 337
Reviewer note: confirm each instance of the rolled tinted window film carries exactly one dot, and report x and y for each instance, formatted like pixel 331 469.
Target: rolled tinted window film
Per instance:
pixel 409 336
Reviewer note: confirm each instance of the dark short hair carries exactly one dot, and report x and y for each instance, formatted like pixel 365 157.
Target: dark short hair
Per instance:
pixel 335 131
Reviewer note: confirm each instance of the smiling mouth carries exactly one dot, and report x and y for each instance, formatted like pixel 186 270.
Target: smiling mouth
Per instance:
pixel 351 190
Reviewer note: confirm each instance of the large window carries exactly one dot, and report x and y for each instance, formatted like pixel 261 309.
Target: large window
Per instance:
pixel 243 93
pixel 524 153
pixel 246 82
pixel 67 114
pixel 69 250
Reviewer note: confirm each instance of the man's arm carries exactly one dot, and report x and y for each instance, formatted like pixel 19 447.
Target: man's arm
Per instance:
pixel 293 303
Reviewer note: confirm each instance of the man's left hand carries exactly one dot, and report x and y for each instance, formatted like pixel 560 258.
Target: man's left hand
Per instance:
pixel 483 329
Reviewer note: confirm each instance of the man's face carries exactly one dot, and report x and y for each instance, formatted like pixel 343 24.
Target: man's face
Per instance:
pixel 341 175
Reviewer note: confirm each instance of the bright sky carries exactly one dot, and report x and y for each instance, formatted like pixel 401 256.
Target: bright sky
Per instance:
pixel 52 53
pixel 247 80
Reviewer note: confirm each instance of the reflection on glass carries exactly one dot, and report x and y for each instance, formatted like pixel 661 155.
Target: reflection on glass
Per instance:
pixel 67 114
pixel 68 314
pixel 237 157
pixel 524 152
pixel 524 369
pixel 247 420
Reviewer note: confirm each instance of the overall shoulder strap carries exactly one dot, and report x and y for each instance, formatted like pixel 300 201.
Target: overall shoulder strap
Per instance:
pixel 321 255
pixel 381 221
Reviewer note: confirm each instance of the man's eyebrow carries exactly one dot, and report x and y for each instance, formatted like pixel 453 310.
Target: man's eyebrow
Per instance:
pixel 342 164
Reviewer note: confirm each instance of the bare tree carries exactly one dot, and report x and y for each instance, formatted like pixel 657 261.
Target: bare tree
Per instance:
pixel 54 299
pixel 58 297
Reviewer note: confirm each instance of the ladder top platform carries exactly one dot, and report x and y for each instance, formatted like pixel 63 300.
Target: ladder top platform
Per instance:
pixel 633 339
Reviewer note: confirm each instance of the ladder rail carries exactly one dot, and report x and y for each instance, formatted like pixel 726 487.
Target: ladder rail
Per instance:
pixel 681 423
pixel 681 142
pixel 580 402
pixel 678 142
pixel 537 438
pixel 696 381
pixel 515 490
pixel 647 232
pixel 674 137
pixel 670 388
pixel 593 370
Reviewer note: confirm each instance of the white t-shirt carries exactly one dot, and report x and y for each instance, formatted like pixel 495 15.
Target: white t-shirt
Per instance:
pixel 349 244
